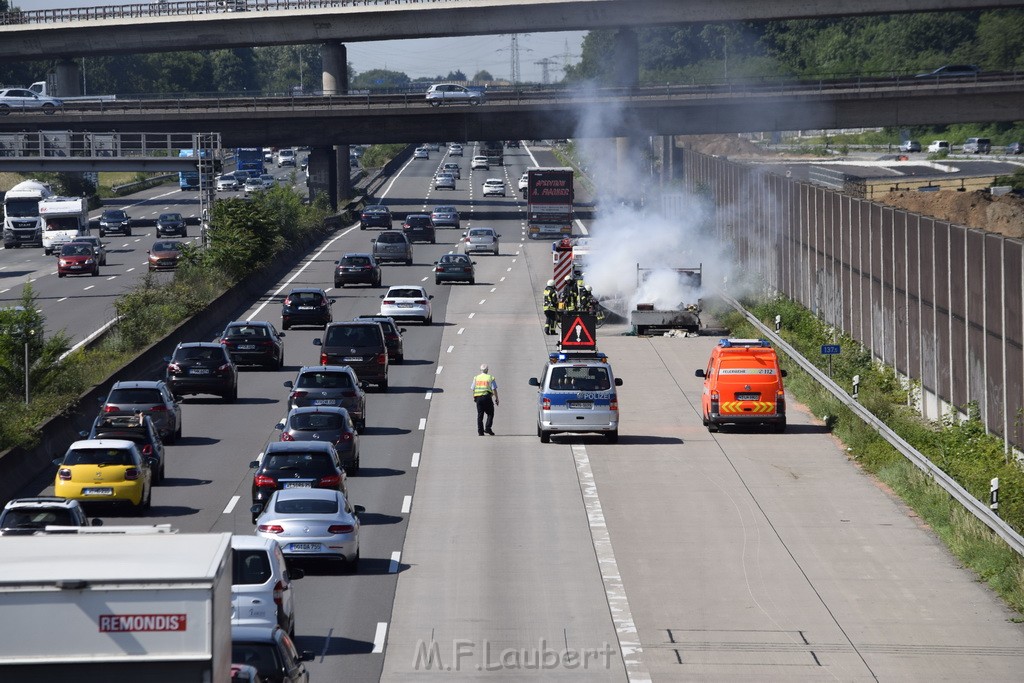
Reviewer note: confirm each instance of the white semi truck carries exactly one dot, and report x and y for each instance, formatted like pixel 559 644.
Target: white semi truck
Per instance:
pixel 116 608
pixel 63 219
pixel 22 225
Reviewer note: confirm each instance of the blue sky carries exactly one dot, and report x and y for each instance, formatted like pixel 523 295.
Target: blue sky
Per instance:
pixel 431 56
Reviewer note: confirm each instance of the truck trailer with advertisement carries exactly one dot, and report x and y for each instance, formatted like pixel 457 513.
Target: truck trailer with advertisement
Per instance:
pixel 549 202
pixel 117 608
pixel 22 225
pixel 64 219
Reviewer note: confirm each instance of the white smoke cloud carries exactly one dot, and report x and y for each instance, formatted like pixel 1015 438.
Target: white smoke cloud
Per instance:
pixel 660 237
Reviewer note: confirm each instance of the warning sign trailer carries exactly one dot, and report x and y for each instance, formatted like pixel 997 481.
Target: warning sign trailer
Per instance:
pixel 578 332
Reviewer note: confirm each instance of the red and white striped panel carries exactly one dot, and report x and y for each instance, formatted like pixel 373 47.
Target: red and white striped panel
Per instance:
pixel 563 267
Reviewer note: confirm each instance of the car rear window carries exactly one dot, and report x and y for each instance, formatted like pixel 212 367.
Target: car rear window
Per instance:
pixel 353 335
pixel 355 261
pixel 311 422
pixel 454 258
pixel 579 379
pixel 306 298
pixel 317 464
pixel 391 238
pixel 405 294
pixel 418 220
pixel 124 435
pixel 199 353
pixel 249 567
pixel 98 456
pixel 135 396
pixel 307 505
pixel 246 331
pixel 36 518
pixel 479 233
pixel 324 380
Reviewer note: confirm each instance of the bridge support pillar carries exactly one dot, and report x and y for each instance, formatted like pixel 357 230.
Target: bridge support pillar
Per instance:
pixel 67 79
pixel 335 82
pixel 323 175
pixel 627 75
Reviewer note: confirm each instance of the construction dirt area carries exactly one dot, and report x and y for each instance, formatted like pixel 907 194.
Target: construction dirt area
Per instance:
pixel 1003 215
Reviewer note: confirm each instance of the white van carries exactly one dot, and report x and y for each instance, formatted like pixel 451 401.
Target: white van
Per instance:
pixel 285 157
pixel 63 219
pixel 939 146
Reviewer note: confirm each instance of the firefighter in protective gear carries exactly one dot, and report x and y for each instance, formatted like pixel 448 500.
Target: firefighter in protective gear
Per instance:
pixel 584 299
pixel 550 308
pixel 569 294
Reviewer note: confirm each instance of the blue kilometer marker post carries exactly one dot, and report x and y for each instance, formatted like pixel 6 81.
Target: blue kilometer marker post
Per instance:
pixel 830 350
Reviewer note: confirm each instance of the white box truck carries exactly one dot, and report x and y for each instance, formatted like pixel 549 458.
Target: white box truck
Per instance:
pixel 22 226
pixel 64 219
pixel 116 608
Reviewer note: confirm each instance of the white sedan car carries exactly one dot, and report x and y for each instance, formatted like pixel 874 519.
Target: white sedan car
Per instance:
pixel 267 181
pixel 445 180
pixel 421 153
pixel 227 182
pixel 480 162
pixel 494 187
pixel 407 302
pixel 481 239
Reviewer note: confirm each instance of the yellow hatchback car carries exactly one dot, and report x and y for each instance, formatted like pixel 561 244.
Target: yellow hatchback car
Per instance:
pixel 104 471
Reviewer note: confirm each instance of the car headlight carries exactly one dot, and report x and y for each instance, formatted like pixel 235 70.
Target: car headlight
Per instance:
pixel 63 262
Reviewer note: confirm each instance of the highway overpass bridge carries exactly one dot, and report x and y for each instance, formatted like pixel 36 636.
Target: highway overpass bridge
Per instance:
pixel 623 112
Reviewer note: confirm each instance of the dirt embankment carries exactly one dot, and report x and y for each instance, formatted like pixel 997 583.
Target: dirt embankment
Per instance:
pixel 1003 215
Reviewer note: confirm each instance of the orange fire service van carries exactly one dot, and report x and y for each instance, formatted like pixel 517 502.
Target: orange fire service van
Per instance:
pixel 743 385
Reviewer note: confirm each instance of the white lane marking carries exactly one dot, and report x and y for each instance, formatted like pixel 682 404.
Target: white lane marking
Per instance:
pixel 92 335
pixel 33 279
pixel 508 270
pixel 4 291
pixel 493 290
pixel 416 459
pixel 130 269
pixel 423 423
pixel 84 290
pixel 439 369
pixel 396 560
pixel 615 592
pixel 378 638
pixel 111 277
pixel 501 279
pixel 423 279
pixel 461 330
pixel 482 301
pixel 299 272
pixel 471 315
pixel 62 299
pixel 406 505
pixel 428 394
pixel 513 261
pixel 124 245
pixel 231 505
pixel 450 349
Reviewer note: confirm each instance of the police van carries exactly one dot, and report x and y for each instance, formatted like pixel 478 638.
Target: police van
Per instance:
pixel 743 385
pixel 577 394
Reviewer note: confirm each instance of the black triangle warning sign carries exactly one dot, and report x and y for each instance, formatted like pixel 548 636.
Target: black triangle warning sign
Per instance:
pixel 578 331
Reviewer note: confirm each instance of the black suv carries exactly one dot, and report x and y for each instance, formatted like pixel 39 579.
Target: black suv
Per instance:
pixel 306 306
pixel 361 346
pixel 115 220
pixel 254 341
pixel 419 228
pixel 392 336
pixel 202 368
pixel 354 269
pixel 376 216
pixel 137 428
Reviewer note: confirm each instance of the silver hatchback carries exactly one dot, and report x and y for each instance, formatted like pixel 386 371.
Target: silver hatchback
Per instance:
pixel 151 397
pixel 312 524
pixel 392 245
pixel 481 239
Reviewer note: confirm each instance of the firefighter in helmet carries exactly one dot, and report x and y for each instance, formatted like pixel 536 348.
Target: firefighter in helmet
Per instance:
pixel 569 294
pixel 550 308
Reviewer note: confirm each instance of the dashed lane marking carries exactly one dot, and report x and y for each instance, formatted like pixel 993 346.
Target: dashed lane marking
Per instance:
pixel 482 301
pixel 406 505
pixel 428 394
pixel 461 330
pixel 423 423
pixel 471 315
pixel 396 561
pixel 450 349
pixel 231 505
pixel 416 459
pixel 378 638
pixel 439 369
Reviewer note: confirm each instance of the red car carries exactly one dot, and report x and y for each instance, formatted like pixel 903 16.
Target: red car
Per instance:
pixel 77 258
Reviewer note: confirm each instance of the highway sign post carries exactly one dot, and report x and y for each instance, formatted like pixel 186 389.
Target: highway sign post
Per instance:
pixel 830 350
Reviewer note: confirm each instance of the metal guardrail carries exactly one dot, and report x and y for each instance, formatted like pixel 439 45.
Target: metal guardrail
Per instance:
pixel 950 485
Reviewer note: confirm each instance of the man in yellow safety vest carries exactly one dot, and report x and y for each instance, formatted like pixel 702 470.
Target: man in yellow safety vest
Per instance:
pixel 485 395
